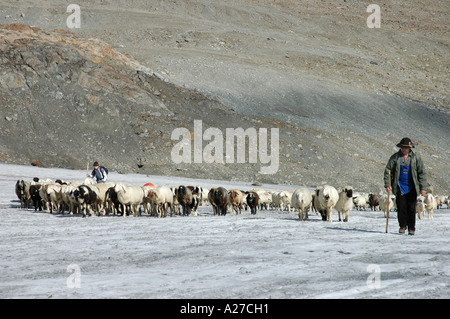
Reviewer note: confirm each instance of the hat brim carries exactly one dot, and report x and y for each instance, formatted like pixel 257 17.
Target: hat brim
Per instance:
pixel 405 146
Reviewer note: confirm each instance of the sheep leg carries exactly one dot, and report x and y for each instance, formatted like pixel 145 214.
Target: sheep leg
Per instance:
pixel 88 209
pixel 330 214
pixel 99 208
pixel 105 209
pixel 304 214
pixel 153 213
pixel 84 209
pixel 134 209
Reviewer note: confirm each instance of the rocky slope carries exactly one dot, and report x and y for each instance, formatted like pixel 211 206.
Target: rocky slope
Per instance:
pixel 342 95
pixel 66 100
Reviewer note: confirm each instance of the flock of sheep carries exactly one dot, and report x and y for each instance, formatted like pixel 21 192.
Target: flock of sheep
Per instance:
pixel 88 198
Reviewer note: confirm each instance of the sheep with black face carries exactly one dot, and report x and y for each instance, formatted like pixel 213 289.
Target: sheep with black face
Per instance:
pixel 345 203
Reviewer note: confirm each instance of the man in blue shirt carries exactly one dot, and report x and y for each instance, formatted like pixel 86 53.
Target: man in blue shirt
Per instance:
pixel 408 179
pixel 98 173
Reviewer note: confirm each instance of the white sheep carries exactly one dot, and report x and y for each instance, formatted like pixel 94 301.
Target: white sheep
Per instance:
pixel 276 202
pixel 302 200
pixel 281 200
pixel 384 205
pixel 54 197
pixel 447 201
pixel 204 196
pixel 161 198
pixel 440 200
pixel 420 207
pixel 102 189
pixel 430 204
pixel 328 198
pixel 130 195
pixel 345 203
pixel 360 201
pixel 286 199
pixel 67 198
pixel 265 198
pixel 43 193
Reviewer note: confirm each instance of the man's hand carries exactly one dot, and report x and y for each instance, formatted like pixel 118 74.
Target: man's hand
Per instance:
pixel 423 192
pixel 388 189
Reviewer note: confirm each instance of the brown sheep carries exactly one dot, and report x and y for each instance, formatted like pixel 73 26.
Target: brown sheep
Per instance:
pixel 236 200
pixel 185 199
pixel 373 201
pixel 221 200
pixel 211 200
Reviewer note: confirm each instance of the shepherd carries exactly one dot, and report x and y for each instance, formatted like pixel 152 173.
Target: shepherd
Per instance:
pixel 405 176
pixel 99 173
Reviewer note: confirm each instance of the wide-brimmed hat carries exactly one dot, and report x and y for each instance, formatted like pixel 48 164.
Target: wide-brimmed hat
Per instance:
pixel 405 142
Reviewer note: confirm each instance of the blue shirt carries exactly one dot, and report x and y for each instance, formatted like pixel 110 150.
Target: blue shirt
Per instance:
pixel 405 180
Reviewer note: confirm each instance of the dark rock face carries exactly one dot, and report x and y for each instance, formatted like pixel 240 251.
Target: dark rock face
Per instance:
pixel 69 100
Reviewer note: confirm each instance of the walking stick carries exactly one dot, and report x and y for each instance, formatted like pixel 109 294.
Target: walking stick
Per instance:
pixel 87 168
pixel 389 203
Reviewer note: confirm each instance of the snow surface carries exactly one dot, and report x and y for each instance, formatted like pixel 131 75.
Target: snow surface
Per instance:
pixel 267 255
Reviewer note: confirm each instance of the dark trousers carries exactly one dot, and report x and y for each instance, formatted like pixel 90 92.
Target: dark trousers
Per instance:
pixel 406 209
